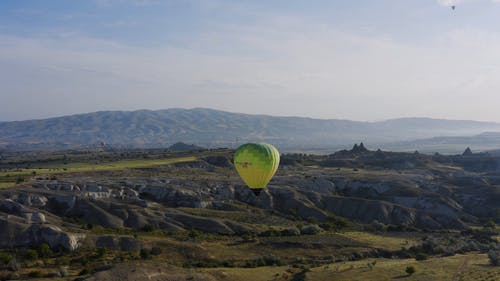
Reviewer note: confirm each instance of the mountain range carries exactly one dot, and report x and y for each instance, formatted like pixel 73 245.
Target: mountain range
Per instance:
pixel 214 128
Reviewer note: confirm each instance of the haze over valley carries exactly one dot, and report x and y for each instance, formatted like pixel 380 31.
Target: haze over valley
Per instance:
pixel 213 128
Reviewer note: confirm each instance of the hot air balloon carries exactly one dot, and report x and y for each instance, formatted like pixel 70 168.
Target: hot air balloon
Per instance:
pixel 256 163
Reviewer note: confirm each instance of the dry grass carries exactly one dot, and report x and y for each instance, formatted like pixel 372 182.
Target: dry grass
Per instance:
pixel 266 273
pixel 7 184
pixel 459 267
pixel 391 242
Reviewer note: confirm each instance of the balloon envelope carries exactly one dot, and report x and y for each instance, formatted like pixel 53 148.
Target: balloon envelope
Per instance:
pixel 256 163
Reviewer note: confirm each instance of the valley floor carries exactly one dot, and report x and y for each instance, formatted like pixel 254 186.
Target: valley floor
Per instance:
pixel 187 216
pixel 459 267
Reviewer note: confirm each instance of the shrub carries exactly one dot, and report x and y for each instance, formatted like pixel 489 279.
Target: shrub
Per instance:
pixel 155 251
pixel 421 256
pixel 378 226
pixel 147 228
pixel 410 270
pixel 334 223
pixel 63 261
pixel 83 272
pixel 5 258
pixel 494 257
pixel 44 250
pixel 145 253
pixel 249 237
pixel 228 263
pixel 194 234
pixel 31 254
pixel 490 223
pixel 101 251
pixel 35 274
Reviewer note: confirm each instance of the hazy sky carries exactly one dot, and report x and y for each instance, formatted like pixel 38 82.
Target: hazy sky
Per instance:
pixel 360 60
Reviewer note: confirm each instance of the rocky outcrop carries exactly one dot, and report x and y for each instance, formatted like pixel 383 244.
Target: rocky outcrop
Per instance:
pixel 369 210
pixel 310 229
pixel 34 218
pixel 15 233
pixel 10 207
pixel 292 202
pixel 96 213
pixel 467 152
pixel 32 200
pixel 173 196
pixel 209 225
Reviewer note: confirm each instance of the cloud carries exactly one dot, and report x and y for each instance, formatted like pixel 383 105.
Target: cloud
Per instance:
pixel 280 66
pixel 449 2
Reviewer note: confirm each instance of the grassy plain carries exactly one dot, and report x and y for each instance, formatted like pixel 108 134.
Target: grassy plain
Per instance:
pixel 459 267
pixel 61 168
pixel 391 242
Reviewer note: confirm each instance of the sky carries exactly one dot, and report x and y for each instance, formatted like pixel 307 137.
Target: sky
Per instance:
pixel 364 60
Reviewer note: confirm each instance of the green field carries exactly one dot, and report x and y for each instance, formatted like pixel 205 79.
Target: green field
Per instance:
pixel 6 184
pixel 389 242
pixel 60 168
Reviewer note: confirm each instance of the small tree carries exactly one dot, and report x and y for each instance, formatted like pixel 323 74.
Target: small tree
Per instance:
pixel 490 223
pixel 194 233
pixel 31 254
pixel 494 257
pixel 44 250
pixel 5 258
pixel 155 251
pixel 145 253
pixel 101 252
pixel 410 269
pixel 35 274
pixel 421 256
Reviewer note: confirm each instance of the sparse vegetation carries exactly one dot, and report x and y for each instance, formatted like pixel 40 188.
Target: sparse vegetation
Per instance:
pixel 494 257
pixel 306 238
pixel 421 256
pixel 410 270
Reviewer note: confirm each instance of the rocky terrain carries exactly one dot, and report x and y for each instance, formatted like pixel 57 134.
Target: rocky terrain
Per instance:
pixel 311 194
pixel 410 190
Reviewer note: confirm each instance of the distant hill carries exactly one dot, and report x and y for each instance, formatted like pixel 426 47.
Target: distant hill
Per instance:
pixel 452 144
pixel 211 128
pixel 180 146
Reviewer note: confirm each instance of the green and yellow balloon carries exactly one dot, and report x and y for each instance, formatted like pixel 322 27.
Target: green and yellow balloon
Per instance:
pixel 256 163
